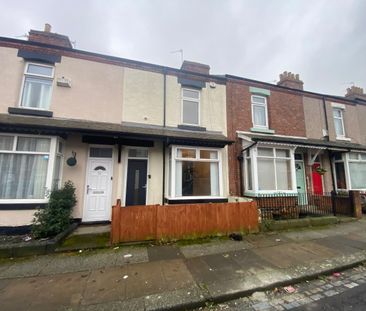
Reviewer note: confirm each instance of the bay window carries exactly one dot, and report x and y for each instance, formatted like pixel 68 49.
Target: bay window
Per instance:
pixel 357 170
pixel 37 86
pixel 195 172
pixel 27 165
pixel 269 169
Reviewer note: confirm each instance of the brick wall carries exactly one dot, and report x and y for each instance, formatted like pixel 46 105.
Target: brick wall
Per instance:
pixel 285 117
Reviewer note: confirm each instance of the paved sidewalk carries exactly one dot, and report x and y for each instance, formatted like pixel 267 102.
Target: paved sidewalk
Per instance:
pixel 165 277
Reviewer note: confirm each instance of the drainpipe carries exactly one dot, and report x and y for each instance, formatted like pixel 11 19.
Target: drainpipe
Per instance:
pixel 240 158
pixel 164 142
pixel 327 139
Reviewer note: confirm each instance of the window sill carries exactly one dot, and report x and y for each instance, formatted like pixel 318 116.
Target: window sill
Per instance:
pixel 343 138
pixel 202 199
pixel 262 130
pixel 191 127
pixel 21 206
pixel 30 112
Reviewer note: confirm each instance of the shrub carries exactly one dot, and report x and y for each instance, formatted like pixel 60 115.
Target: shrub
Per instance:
pixel 56 216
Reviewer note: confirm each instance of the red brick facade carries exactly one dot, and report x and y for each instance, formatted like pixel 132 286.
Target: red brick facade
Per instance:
pixel 285 117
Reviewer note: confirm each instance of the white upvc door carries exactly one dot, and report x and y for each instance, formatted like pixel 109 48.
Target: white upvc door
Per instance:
pixel 98 190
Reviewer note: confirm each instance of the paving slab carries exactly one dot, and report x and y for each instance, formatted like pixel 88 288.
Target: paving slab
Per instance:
pixel 266 240
pixel 338 244
pixel 176 274
pixel 304 235
pixel 319 250
pixel 216 247
pixel 145 279
pixel 136 304
pixel 42 293
pixel 26 267
pixel 105 285
pixel 285 255
pixel 164 252
pixel 249 259
pixel 91 229
pixel 130 255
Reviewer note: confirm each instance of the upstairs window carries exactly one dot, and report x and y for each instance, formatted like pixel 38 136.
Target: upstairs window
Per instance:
pixel 190 106
pixel 338 122
pixel 259 112
pixel 37 86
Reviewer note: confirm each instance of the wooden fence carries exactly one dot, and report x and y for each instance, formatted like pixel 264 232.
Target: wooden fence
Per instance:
pixel 180 221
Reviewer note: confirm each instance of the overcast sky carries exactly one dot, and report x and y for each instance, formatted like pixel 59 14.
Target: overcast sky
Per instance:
pixel 323 41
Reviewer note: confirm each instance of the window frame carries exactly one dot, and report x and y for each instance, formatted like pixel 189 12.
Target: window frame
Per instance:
pixel 341 110
pixel 253 155
pixel 265 105
pixel 50 167
pixel 26 74
pixel 347 161
pixel 174 159
pixel 198 101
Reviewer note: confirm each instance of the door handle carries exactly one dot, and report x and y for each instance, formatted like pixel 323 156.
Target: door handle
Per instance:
pixel 88 188
pixel 144 186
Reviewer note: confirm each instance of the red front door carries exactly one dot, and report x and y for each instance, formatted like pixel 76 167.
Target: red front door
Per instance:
pixel 317 180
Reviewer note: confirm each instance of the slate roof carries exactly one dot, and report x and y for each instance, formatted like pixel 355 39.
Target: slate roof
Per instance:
pixel 126 129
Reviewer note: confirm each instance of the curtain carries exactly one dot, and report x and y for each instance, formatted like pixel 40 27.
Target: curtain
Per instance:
pixel 214 175
pixel 259 115
pixel 357 173
pixel 178 175
pixel 23 176
pixel 266 176
pixel 36 93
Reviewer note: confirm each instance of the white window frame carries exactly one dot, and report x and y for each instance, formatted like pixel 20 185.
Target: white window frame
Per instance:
pixel 348 171
pixel 253 103
pixel 253 154
pixel 26 74
pixel 196 100
pixel 342 122
pixel 50 168
pixel 174 158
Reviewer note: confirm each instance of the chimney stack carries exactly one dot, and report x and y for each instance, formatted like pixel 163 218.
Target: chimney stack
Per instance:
pixel 195 67
pixel 291 80
pixel 354 92
pixel 48 37
pixel 47 27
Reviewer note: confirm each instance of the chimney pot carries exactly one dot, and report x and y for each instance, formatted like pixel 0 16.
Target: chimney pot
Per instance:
pixel 354 92
pixel 47 27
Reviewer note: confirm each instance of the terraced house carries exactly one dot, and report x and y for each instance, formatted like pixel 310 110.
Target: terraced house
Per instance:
pixel 294 143
pixel 117 128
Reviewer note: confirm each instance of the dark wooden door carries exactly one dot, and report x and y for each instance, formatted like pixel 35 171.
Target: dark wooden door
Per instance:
pixel 136 182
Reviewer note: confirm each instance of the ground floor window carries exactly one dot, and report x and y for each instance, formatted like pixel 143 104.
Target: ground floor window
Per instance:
pixel 269 169
pixel 195 172
pixel 27 166
pixel 357 170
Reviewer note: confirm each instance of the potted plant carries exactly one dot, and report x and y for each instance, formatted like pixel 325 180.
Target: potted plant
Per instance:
pixel 320 170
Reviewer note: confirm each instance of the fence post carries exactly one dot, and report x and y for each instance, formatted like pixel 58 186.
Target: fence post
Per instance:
pixel 355 198
pixel 333 198
pixel 116 222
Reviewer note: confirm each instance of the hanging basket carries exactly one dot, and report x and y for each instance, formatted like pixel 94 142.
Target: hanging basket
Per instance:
pixel 320 170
